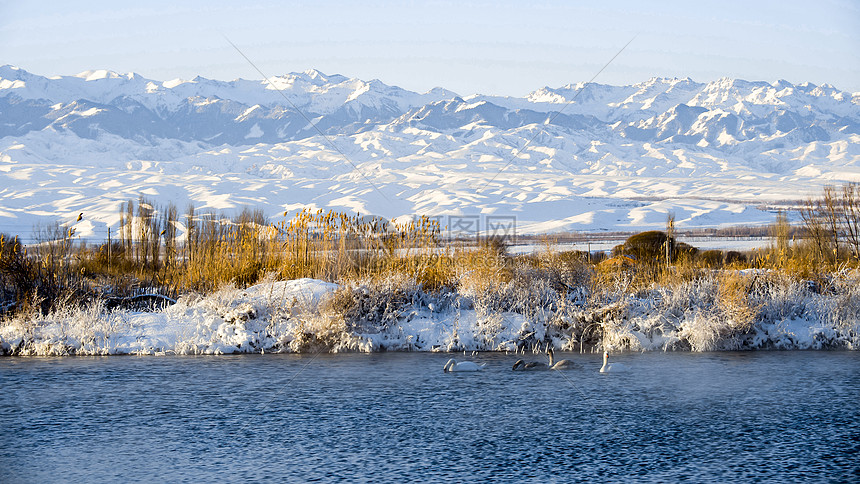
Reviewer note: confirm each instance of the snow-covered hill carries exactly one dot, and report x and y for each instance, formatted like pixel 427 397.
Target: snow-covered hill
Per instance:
pixel 578 157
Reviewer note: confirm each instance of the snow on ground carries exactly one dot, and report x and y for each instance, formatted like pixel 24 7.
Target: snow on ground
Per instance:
pixel 293 316
pixel 57 180
pixel 227 321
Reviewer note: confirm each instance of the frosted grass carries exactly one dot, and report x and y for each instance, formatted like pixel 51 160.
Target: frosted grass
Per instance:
pixel 308 315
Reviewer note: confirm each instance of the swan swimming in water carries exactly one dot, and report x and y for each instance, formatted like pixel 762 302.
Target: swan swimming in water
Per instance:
pixel 559 365
pixel 521 365
pixel 452 365
pixel 614 368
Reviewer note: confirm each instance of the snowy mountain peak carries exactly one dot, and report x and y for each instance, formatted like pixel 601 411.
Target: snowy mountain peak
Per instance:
pixel 313 73
pixel 95 75
pixel 8 70
pixel 546 95
pixel 175 82
pixel 669 81
pixel 782 84
pixel 11 73
pixel 729 140
pixel 318 75
pixel 318 78
pixel 441 93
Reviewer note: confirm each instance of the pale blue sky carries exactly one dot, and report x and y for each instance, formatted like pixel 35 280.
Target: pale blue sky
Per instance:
pixel 508 48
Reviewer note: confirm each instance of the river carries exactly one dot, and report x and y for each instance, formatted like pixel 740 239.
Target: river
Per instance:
pixel 712 417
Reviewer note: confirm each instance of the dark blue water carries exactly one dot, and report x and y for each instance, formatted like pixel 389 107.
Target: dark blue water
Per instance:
pixel 765 416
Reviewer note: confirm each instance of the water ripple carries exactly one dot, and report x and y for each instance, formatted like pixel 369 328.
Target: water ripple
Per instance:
pixel 768 416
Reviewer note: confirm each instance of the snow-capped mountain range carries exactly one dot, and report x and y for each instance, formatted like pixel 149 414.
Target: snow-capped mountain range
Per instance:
pixel 577 157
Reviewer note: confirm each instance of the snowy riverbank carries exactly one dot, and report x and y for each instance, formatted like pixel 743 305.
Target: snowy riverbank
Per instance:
pixel 308 315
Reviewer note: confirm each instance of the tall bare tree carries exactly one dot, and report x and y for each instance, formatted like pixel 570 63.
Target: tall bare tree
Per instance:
pixel 850 211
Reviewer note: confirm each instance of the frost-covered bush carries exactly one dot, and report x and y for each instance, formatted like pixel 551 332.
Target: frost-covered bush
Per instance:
pixel 526 305
pixel 730 310
pixel 528 292
pixel 781 296
pixel 373 305
pixel 69 330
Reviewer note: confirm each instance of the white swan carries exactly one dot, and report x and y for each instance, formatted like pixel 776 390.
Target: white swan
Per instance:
pixel 452 365
pixel 521 365
pixel 614 368
pixel 559 365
